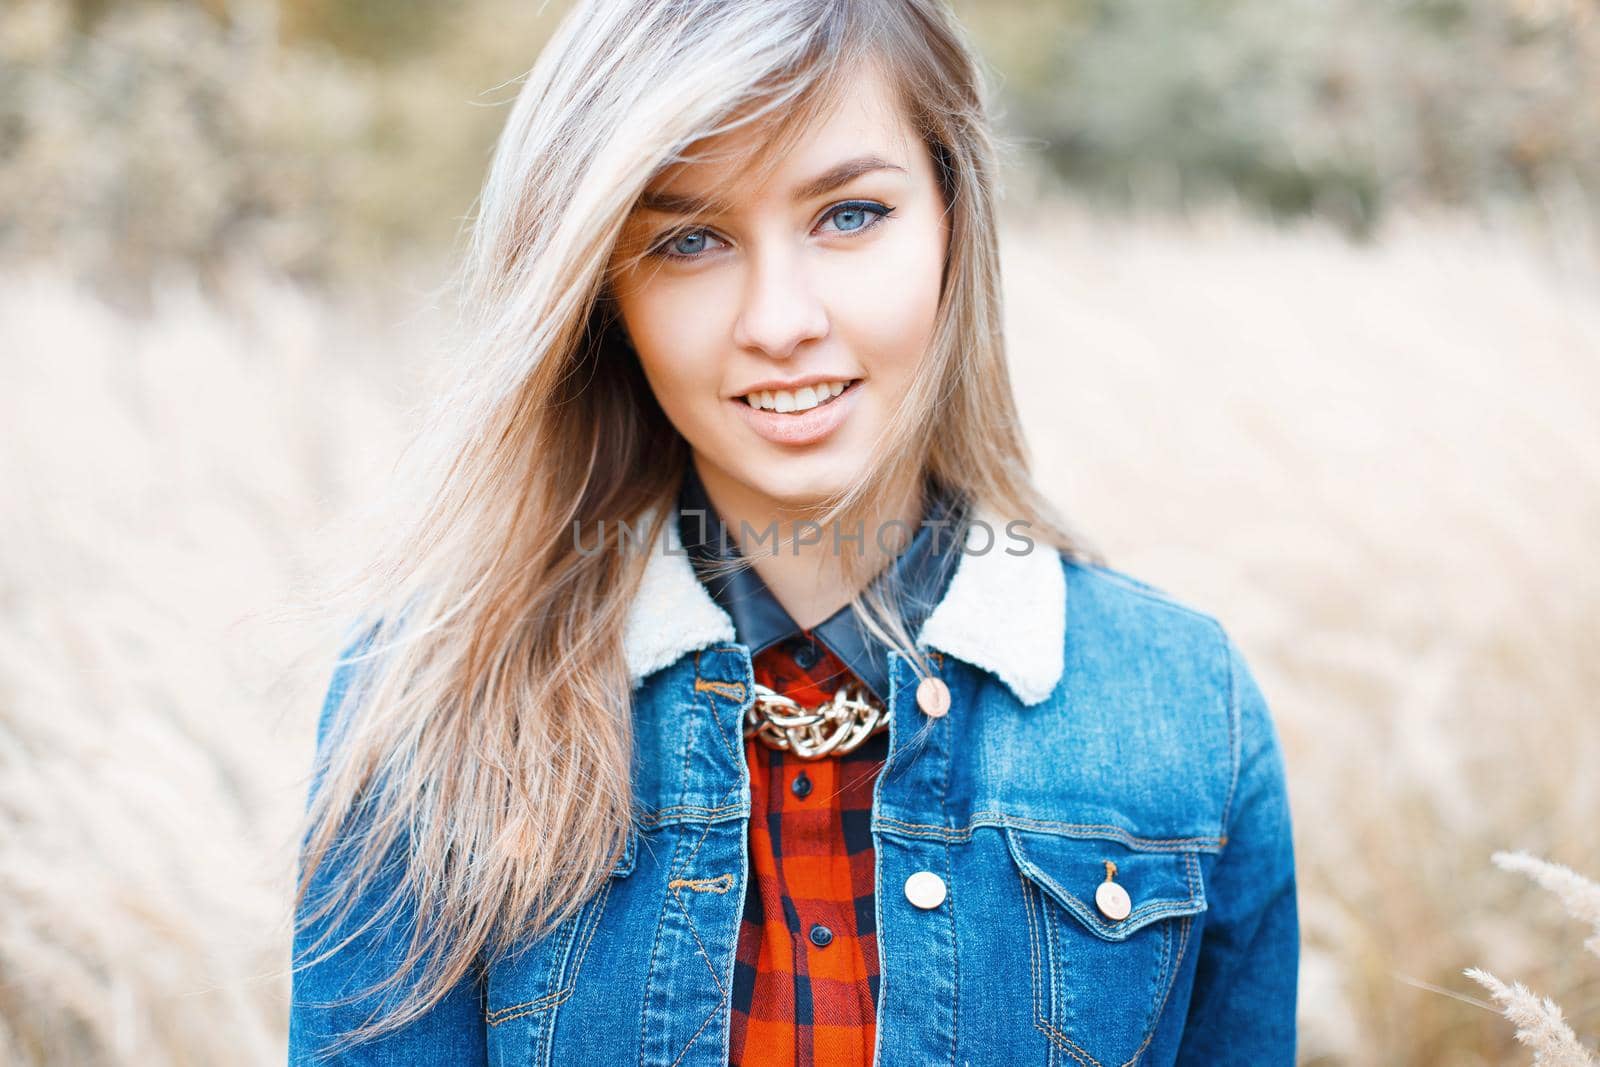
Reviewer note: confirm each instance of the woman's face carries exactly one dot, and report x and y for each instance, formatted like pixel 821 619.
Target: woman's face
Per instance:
pixel 825 276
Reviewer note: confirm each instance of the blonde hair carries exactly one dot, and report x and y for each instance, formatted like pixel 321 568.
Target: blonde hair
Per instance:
pixel 486 714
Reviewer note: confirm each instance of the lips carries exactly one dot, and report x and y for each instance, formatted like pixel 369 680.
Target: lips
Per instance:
pixel 799 428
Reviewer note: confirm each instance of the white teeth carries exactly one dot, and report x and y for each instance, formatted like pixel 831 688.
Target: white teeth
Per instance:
pixel 803 399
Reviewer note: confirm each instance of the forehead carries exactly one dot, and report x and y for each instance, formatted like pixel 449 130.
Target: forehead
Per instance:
pixel 863 116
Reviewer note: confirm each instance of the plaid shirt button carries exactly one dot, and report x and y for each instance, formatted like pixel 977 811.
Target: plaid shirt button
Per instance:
pixel 805 654
pixel 808 857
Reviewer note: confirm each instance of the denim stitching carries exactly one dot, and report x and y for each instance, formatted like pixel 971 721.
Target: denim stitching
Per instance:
pixel 1166 973
pixel 1037 972
pixel 1049 970
pixel 655 951
pixel 722 733
pixel 683 865
pixel 705 832
pixel 560 939
pixel 1057 1035
pixel 588 934
pixel 1066 1045
pixel 591 923
pixel 660 816
pixel 955 955
pixel 998 818
pixel 1060 984
pixel 673 884
pixel 692 1038
pixel 722 994
pixel 1163 978
pixel 534 1007
pixel 730 690
pixel 1033 953
pixel 695 933
pixel 736 688
pixel 527 1007
pixel 720 884
pixel 722 804
pixel 664 816
pixel 1138 916
pixel 1185 925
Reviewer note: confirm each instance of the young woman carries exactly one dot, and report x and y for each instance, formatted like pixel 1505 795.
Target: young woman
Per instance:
pixel 733 695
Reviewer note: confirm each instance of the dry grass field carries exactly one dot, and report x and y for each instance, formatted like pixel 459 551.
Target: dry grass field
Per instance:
pixel 1379 466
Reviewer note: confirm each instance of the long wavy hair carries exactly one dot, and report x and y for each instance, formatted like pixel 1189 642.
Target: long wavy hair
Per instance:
pixel 483 742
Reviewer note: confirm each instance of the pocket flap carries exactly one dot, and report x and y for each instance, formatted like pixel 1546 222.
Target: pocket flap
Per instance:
pixel 1070 869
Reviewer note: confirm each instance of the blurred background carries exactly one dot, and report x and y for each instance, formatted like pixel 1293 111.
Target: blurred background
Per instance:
pixel 1304 308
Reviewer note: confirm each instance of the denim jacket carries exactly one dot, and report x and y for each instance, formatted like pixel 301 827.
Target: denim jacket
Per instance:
pixel 1098 730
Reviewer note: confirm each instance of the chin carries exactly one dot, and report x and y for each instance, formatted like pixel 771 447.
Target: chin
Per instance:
pixel 800 482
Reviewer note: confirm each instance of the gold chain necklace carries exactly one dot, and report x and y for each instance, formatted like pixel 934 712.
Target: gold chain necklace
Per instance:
pixel 832 728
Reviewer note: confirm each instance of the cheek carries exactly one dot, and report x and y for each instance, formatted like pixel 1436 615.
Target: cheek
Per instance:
pixel 889 328
pixel 676 347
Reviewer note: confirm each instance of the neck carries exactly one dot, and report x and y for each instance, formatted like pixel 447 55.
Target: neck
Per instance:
pixel 808 579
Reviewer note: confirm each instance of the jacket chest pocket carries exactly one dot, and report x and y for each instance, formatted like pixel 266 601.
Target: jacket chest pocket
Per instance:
pixel 526 988
pixel 1103 960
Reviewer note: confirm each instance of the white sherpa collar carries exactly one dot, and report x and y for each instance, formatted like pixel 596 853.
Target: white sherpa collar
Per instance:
pixel 1004 613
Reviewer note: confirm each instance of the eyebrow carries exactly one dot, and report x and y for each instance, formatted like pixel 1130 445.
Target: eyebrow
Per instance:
pixel 686 204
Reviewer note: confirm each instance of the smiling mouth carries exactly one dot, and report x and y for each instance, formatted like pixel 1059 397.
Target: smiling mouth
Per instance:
pixel 799 401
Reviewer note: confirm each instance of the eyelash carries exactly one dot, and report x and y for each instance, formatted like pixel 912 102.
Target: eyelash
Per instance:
pixel 878 211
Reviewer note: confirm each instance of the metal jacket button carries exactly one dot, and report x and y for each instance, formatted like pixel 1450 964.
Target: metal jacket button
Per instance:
pixel 933 697
pixel 925 889
pixel 1111 898
pixel 820 935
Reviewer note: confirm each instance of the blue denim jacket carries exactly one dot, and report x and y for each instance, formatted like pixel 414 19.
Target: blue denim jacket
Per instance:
pixel 1099 730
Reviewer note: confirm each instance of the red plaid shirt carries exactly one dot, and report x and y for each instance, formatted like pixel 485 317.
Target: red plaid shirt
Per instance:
pixel 805 987
pixel 805 984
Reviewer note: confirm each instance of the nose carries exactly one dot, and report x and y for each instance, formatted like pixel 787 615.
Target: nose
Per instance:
pixel 780 308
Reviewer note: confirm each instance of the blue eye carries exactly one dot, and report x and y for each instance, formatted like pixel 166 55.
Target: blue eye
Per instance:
pixel 857 216
pixel 686 245
pixel 851 217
